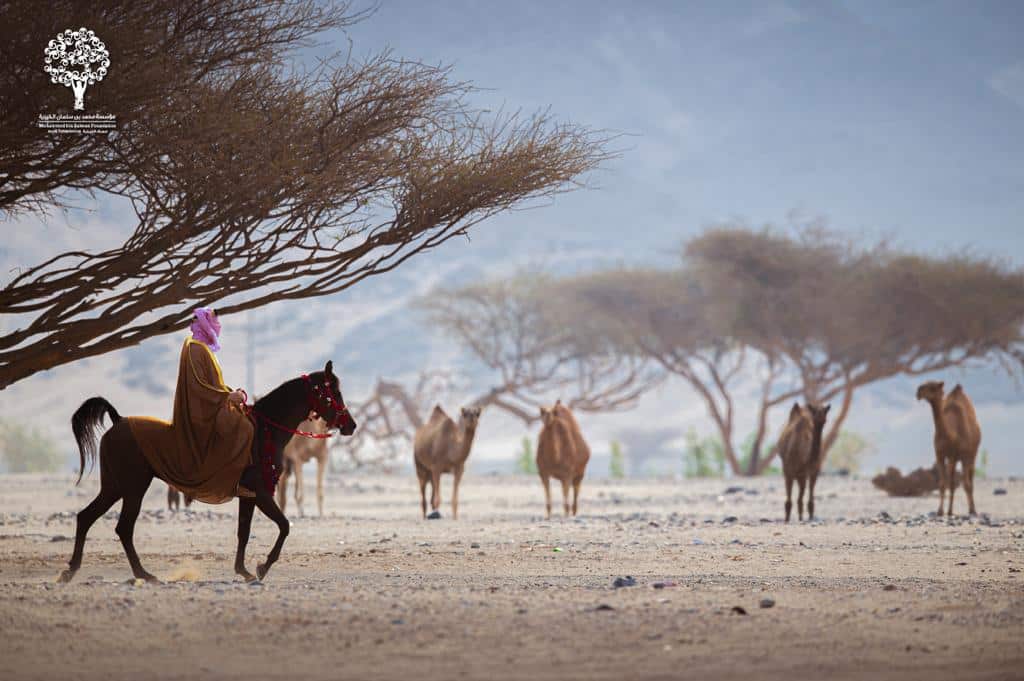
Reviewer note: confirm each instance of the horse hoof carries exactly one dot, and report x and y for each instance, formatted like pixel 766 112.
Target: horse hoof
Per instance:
pixel 66 576
pixel 261 571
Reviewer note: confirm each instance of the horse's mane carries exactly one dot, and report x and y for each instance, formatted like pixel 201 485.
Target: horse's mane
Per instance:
pixel 273 398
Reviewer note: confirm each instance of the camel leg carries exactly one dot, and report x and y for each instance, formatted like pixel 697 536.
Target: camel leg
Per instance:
pixel 969 486
pixel 941 467
pixel 421 474
pixel 576 493
pixel 300 494
pixel 547 493
pixel 810 496
pixel 282 487
pixel 455 493
pixel 951 481
pixel 789 497
pixel 435 491
pixel 565 496
pixel 86 517
pixel 267 507
pixel 246 505
pixel 321 468
pixel 801 482
pixel 130 508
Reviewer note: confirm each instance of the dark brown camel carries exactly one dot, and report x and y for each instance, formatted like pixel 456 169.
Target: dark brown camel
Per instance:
pixel 800 451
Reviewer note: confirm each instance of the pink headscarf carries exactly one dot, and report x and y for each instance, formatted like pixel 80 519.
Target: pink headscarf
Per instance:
pixel 206 329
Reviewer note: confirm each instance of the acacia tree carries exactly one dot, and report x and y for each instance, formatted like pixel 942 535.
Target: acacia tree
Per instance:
pixel 842 317
pixel 764 318
pixel 251 182
pixel 667 317
pixel 514 330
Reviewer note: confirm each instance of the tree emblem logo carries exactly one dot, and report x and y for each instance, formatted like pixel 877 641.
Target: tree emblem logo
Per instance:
pixel 76 59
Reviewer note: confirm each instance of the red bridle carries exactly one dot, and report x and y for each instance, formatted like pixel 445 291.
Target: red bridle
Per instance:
pixel 317 397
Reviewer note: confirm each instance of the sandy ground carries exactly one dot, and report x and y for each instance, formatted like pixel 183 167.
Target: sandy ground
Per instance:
pixel 371 591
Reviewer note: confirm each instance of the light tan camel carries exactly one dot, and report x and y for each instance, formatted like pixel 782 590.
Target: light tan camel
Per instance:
pixel 800 451
pixel 442 446
pixel 562 453
pixel 298 451
pixel 957 436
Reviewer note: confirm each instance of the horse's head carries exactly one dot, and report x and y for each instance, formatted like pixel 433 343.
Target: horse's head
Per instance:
pixel 326 400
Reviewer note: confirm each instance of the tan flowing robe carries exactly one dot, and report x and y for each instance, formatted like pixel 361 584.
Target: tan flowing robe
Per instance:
pixel 208 443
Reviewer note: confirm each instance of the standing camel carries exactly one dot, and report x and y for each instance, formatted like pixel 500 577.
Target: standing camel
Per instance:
pixel 800 451
pixel 442 446
pixel 957 436
pixel 174 498
pixel 298 451
pixel 562 453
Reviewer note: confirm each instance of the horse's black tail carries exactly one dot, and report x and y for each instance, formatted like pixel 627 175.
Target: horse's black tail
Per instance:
pixel 85 424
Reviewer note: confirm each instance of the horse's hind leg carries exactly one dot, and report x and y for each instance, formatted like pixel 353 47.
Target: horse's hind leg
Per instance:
pixel 133 477
pixel 126 532
pixel 86 517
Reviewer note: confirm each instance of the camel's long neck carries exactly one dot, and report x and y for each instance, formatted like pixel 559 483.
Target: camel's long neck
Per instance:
pixel 816 441
pixel 941 427
pixel 466 440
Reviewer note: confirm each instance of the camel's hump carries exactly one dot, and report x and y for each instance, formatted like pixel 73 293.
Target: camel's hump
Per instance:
pixel 437 414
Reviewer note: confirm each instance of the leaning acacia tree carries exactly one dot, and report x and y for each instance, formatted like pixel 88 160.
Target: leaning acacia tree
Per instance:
pixel 761 317
pixel 514 331
pixel 250 182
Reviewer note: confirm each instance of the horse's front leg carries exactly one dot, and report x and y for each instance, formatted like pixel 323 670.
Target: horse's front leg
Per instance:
pixel 246 505
pixel 269 508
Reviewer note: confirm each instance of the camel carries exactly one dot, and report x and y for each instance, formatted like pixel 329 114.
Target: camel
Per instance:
pixel 800 451
pixel 957 436
pixel 298 451
pixel 562 453
pixel 174 498
pixel 442 446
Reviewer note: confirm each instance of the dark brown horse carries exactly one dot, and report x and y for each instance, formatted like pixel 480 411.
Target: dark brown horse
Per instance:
pixel 126 474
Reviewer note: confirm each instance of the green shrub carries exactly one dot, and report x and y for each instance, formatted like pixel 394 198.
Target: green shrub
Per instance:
pixel 848 452
pixel 25 450
pixel 526 462
pixel 703 457
pixel 617 462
